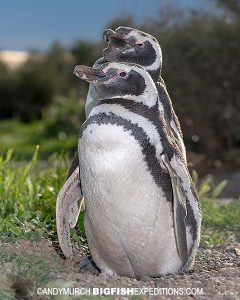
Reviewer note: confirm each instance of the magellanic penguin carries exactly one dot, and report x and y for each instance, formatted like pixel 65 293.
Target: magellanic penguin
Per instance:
pixel 134 46
pixel 142 213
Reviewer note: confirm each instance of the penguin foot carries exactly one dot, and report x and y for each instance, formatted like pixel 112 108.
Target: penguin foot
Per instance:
pixel 87 264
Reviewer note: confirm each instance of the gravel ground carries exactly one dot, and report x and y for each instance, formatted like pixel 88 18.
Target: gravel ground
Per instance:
pixel 216 272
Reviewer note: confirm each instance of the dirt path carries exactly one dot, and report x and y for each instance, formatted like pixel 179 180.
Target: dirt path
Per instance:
pixel 217 272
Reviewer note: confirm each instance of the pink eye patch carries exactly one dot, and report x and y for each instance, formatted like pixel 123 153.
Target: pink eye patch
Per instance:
pixel 122 73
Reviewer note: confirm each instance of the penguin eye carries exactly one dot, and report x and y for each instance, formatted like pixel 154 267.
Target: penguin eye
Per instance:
pixel 123 74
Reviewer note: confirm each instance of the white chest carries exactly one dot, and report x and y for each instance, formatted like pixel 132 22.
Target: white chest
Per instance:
pixel 122 199
pixel 112 162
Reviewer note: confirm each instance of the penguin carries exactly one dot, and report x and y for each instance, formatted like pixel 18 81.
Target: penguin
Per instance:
pixel 142 214
pixel 126 44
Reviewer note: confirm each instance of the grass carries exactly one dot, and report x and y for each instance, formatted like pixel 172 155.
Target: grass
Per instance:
pixel 27 272
pixel 220 221
pixel 28 193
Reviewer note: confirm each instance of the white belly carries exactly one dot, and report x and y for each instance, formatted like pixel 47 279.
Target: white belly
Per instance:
pixel 128 221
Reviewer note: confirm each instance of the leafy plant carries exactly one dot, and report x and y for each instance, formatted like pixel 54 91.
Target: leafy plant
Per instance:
pixel 207 188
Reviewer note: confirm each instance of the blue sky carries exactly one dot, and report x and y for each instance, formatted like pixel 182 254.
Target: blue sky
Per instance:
pixel 27 24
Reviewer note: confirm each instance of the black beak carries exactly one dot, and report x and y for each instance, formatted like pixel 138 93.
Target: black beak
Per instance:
pixel 87 73
pixel 112 37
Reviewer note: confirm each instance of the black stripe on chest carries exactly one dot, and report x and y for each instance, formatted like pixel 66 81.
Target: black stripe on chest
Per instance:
pixel 160 176
pixel 151 114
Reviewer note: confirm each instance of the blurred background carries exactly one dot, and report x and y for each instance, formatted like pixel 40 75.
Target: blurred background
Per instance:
pixel 41 102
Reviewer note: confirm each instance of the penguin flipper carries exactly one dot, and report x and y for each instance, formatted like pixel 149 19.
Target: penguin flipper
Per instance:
pixel 179 211
pixel 68 207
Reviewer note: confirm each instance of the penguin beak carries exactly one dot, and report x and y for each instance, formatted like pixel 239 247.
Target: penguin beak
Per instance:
pixel 87 73
pixel 112 37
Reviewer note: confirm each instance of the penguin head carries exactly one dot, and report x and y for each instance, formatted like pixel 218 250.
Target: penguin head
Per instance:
pixel 133 46
pixel 119 80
